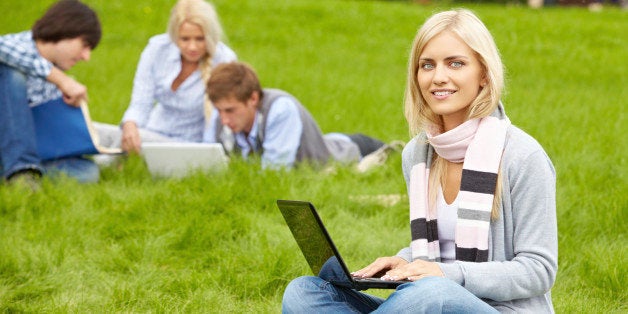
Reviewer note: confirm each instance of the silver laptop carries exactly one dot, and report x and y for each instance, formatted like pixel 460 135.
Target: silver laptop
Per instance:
pixel 180 159
pixel 318 248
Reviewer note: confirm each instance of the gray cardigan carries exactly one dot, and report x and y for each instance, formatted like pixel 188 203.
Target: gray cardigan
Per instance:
pixel 523 241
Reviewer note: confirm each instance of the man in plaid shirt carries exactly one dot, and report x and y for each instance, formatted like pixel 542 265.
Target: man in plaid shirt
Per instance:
pixel 32 65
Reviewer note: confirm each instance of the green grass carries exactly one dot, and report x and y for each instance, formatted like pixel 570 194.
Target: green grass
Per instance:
pixel 216 242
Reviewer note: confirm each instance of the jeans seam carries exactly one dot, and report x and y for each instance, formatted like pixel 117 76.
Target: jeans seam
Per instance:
pixel 332 290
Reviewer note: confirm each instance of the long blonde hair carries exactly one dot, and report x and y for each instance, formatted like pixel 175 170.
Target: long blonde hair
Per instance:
pixel 201 13
pixel 420 117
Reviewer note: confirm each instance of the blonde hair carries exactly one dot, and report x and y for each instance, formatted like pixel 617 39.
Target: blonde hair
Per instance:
pixel 420 117
pixel 201 13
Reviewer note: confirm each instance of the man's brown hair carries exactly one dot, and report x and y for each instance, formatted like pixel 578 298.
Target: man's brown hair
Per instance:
pixel 233 79
pixel 68 19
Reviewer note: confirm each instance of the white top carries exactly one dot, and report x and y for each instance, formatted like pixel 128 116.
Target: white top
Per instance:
pixel 447 214
pixel 154 106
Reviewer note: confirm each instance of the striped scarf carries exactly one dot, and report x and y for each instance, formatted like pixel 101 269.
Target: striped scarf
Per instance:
pixel 479 143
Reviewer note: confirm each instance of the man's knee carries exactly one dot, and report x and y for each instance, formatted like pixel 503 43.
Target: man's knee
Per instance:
pixel 11 76
pixel 81 169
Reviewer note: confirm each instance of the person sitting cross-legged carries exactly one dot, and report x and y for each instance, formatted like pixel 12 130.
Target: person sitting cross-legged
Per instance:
pixel 481 194
pixel 32 65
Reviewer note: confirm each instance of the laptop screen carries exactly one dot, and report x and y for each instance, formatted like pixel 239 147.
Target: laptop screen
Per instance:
pixel 310 234
pixel 319 249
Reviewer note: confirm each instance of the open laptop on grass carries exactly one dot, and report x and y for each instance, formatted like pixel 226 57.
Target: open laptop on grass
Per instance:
pixel 318 248
pixel 179 159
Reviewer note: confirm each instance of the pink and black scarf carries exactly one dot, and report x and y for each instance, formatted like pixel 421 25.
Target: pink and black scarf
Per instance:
pixel 479 144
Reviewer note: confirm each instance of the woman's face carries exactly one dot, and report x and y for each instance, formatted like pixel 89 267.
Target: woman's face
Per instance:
pixel 450 77
pixel 191 42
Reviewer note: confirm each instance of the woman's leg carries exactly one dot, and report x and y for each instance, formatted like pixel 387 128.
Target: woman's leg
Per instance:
pixel 315 295
pixel 318 295
pixel 434 295
pixel 111 136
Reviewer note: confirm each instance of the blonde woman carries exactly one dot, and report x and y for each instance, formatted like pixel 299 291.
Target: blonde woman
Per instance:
pixel 481 193
pixel 168 101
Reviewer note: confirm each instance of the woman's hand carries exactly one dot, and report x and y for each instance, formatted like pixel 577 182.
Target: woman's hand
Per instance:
pixel 414 271
pixel 131 141
pixel 379 266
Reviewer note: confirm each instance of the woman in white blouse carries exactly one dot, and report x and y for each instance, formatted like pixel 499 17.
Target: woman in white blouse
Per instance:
pixel 168 103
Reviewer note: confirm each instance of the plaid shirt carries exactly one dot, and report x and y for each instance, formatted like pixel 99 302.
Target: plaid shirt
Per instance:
pixel 19 51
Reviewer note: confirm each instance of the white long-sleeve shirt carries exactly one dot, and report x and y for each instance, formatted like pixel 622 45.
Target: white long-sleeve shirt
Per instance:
pixel 155 107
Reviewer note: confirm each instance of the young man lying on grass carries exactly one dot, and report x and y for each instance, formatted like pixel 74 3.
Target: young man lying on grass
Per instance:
pixel 274 124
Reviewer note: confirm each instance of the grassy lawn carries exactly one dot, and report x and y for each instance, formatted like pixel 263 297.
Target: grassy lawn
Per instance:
pixel 215 242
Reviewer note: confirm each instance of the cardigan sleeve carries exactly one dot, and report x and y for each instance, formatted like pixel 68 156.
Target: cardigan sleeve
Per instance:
pixel 410 156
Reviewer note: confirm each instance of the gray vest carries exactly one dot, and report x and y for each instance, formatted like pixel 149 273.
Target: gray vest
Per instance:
pixel 312 146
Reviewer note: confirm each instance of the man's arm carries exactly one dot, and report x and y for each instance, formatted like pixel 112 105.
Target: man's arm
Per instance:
pixel 72 90
pixel 17 52
pixel 282 135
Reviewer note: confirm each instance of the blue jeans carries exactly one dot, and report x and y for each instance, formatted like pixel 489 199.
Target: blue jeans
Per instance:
pixel 310 294
pixel 81 169
pixel 18 146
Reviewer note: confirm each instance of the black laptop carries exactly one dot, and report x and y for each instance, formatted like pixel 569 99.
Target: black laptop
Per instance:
pixel 318 248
